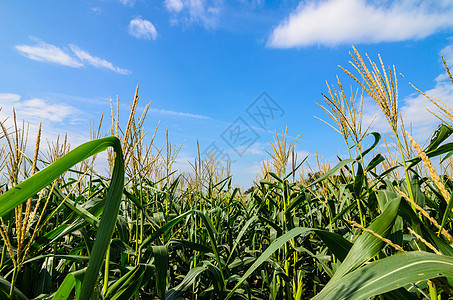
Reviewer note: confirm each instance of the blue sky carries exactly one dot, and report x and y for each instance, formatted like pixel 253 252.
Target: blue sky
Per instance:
pixel 203 65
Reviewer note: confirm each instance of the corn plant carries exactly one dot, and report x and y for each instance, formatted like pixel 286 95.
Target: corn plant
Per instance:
pixel 346 229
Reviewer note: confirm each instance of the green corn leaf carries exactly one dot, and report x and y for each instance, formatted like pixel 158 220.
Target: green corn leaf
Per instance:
pixel 192 245
pixel 125 287
pixel 167 226
pixel 241 233
pixel 345 210
pixel 295 203
pixel 32 185
pixel 216 277
pixel 374 162
pixel 213 238
pixel 275 176
pixel 267 253
pixel 160 254
pixel 447 213
pixel 388 274
pixel 440 135
pixel 71 281
pixel 358 182
pixel 65 289
pixel 331 172
pixel 336 243
pixel 26 189
pixel 408 213
pixel 367 245
pixel 175 292
pixel 377 138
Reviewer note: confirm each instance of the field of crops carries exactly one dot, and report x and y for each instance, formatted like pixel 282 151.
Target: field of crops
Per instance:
pixel 351 229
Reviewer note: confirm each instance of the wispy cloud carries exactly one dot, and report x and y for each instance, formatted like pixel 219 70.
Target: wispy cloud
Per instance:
pixel 48 53
pixel 204 12
pixel 96 10
pixel 142 29
pixel 127 2
pixel 74 57
pixel 97 62
pixel 179 114
pixel 334 22
pixel 252 3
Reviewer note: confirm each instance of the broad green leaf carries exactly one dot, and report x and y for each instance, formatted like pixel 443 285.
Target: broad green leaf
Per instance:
pixel 65 288
pixel 125 287
pixel 367 245
pixel 345 210
pixel 337 244
pixel 408 213
pixel 32 185
pixel 175 292
pixel 440 135
pixel 191 245
pixel 388 274
pixel 385 196
pixel 295 203
pixel 216 278
pixel 375 162
pixel 160 254
pixel 108 220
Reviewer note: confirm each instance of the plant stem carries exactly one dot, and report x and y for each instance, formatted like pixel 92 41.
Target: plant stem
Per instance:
pixel 406 171
pixel 13 282
pixel 432 290
pixel 106 270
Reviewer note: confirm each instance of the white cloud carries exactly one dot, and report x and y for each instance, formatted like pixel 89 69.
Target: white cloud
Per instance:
pixel 415 111
pixel 178 114
pixel 205 12
pixel 128 2
pixel 174 5
pixel 76 58
pixel 9 98
pixel 43 110
pixel 252 3
pixel 97 62
pixel 334 22
pixel 142 29
pixel 48 53
pixel 36 108
pixel 414 108
pixel 55 118
pixel 96 10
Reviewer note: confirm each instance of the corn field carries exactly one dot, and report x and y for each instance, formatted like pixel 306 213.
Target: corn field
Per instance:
pixel 375 224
